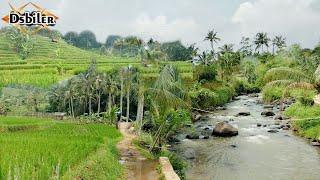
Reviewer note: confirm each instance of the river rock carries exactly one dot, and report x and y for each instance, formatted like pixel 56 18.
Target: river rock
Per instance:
pixel 243 114
pixel 193 136
pixel 233 145
pixel 196 117
pixel 235 98
pixel 253 95
pixel 280 117
pixel 221 108
pixel 286 128
pixel 268 106
pixel 273 131
pixel 315 143
pixel 225 130
pixel 203 137
pixel 189 154
pixel 267 113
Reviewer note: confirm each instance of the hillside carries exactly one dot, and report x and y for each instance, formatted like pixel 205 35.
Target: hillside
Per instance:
pixel 51 62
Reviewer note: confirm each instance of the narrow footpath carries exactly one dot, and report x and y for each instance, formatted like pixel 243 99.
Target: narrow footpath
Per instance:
pixel 136 166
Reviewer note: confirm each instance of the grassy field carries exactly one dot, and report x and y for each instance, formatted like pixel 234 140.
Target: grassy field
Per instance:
pixel 46 149
pixel 51 62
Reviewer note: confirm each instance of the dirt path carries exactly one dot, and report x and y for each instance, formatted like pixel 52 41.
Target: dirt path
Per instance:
pixel 136 166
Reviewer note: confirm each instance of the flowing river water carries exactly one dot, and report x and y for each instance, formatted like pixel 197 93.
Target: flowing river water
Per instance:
pixel 255 154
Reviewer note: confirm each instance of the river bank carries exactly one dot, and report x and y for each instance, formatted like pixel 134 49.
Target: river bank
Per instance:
pixel 264 149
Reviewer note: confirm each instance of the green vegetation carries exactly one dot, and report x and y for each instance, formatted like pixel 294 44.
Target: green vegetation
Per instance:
pixel 44 149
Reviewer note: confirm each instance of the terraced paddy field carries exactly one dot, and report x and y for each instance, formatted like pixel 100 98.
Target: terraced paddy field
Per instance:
pixel 48 149
pixel 52 62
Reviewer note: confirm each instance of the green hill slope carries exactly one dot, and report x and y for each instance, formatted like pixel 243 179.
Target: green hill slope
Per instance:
pixel 43 66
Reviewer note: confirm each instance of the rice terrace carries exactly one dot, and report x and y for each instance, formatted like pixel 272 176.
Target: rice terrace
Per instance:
pixel 148 90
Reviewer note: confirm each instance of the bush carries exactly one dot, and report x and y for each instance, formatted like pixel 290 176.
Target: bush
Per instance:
pixel 203 98
pixel 203 73
pixel 270 94
pixel 306 101
pixel 206 98
pixel 244 87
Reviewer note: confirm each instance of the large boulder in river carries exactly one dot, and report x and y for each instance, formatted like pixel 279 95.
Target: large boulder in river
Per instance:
pixel 267 113
pixel 225 130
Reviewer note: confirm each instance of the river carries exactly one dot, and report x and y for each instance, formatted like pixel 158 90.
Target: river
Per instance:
pixel 255 154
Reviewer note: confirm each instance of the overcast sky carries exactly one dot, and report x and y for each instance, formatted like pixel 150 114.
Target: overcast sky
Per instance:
pixel 187 20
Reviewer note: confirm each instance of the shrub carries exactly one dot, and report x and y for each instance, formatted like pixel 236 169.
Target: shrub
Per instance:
pixel 306 101
pixel 203 98
pixel 272 93
pixel 203 73
pixel 206 98
pixel 241 86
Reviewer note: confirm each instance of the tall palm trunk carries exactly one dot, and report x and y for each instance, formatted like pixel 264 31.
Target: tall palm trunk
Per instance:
pixel 90 105
pixel 109 101
pixel 140 110
pixel 72 107
pixel 99 101
pixel 128 104
pixel 121 97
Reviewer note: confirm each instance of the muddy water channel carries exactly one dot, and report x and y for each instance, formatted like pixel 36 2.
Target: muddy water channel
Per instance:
pixel 254 154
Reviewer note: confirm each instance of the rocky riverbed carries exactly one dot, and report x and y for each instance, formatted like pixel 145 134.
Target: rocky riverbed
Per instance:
pixel 247 140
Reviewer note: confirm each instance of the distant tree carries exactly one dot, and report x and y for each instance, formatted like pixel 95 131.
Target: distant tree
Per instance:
pixel 87 40
pixel 245 46
pixel 111 39
pixel 212 36
pixel 261 40
pixel 23 43
pixel 227 48
pixel 279 42
pixel 103 50
pixel 71 38
pixel 194 50
pixel 176 51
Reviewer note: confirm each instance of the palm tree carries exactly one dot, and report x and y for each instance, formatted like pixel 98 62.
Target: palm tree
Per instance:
pixel 261 40
pixel 141 91
pixel 279 42
pixel 212 36
pixel 194 50
pixel 226 48
pixel 245 46
pixel 121 74
pixel 98 86
pixel 167 93
pixel 129 76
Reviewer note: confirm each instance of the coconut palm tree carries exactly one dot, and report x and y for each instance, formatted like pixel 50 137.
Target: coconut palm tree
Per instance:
pixel 167 93
pixel 227 48
pixel 279 42
pixel 98 83
pixel 212 36
pixel 122 75
pixel 194 50
pixel 141 95
pixel 261 40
